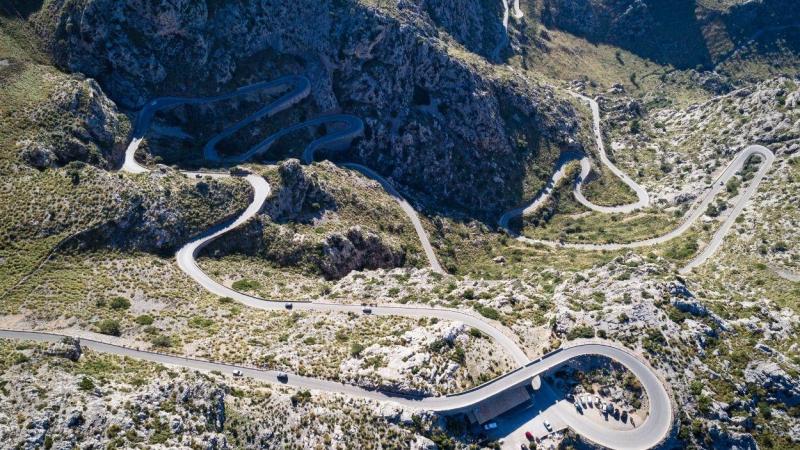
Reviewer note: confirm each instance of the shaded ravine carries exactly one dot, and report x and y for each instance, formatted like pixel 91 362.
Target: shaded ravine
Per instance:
pixel 643 199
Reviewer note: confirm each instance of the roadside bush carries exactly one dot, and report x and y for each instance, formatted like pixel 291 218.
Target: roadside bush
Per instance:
pixel 109 327
pixel 488 312
pixel 161 341
pixel 581 331
pixel 246 285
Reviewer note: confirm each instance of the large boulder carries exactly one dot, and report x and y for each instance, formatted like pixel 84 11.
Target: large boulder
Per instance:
pixel 357 250
pixel 69 348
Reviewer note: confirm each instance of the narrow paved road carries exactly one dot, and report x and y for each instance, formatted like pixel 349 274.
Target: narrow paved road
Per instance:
pixel 296 89
pixel 651 432
pixel 648 434
pixel 407 208
pixel 643 199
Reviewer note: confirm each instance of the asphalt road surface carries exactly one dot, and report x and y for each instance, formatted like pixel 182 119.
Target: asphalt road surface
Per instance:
pixel 643 199
pixel 648 434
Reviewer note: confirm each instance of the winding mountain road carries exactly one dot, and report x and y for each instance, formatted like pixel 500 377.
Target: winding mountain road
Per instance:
pixel 643 199
pixel 652 431
pixel 648 434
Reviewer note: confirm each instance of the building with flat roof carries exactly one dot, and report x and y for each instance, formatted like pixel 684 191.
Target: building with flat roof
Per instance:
pixel 500 403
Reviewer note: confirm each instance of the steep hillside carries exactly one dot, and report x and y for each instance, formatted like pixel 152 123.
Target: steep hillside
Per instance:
pixel 437 116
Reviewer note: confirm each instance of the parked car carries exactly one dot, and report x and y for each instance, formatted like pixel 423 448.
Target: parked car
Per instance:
pixel 283 377
pixel 547 425
pixel 237 372
pixel 490 426
pixel 583 401
pixel 578 406
pixel 529 436
pixel 596 400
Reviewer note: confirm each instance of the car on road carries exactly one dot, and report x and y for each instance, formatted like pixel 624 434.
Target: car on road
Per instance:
pixel 367 310
pixel 237 373
pixel 490 426
pixel 283 377
pixel 288 305
pixel 547 425
pixel 529 436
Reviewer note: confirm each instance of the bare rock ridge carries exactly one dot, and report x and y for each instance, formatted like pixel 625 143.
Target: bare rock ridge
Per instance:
pixel 435 121
pixel 300 197
pixel 100 139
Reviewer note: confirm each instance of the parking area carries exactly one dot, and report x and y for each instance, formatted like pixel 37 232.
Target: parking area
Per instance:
pixel 548 405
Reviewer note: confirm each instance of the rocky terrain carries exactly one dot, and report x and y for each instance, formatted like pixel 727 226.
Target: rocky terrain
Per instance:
pixel 109 402
pixel 328 220
pixel 686 34
pixel 424 99
pixel 467 120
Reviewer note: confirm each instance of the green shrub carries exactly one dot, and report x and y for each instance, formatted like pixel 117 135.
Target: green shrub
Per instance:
pixel 109 327
pixel 144 319
pixel 161 341
pixel 488 312
pixel 581 331
pixel 246 285
pixel 459 355
pixel 119 303
pixel 86 384
pixel 300 398
pixel 356 349
pixel 438 345
pixel 200 322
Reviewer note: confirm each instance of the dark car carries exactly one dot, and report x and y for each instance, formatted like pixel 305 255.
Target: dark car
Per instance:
pixel 529 436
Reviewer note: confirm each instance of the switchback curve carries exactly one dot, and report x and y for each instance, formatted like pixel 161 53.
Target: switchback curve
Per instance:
pixel 649 433
pixel 643 199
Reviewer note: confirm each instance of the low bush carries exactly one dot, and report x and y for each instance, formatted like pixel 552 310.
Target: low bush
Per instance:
pixel 110 327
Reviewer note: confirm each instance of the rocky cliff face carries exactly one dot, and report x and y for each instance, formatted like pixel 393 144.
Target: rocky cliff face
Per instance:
pixel 438 117
pixel 82 125
pixel 684 33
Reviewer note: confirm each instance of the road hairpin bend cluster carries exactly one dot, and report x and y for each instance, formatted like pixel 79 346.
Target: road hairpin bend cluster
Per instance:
pixel 643 199
pixel 294 89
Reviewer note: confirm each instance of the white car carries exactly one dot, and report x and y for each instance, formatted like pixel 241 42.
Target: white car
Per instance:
pixel 547 425
pixel 596 400
pixel 237 372
pixel 583 401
